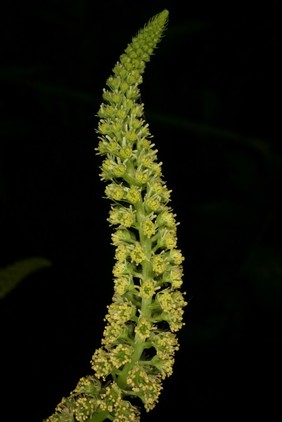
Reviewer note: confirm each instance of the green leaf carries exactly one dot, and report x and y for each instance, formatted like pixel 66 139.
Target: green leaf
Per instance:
pixel 13 274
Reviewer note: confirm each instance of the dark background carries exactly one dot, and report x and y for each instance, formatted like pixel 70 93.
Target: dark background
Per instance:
pixel 213 102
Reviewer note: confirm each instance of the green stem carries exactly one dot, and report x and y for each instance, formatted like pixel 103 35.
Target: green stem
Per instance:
pixel 139 343
pixel 100 417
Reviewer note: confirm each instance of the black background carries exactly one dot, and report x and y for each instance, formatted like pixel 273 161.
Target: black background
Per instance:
pixel 213 102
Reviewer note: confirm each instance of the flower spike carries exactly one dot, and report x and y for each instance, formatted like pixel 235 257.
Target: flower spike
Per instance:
pixel 139 340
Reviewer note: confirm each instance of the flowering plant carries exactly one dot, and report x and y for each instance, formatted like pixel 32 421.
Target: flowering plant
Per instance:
pixel 139 340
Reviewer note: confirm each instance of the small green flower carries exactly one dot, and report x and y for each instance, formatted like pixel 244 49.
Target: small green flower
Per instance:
pixel 121 354
pixel 143 328
pixel 145 385
pixel 148 227
pixel 147 289
pixel 115 192
pixel 122 216
pixel 137 254
pixel 159 264
pixel 133 195
pixel 84 408
pixel 101 363
pixel 123 284
pixel 126 412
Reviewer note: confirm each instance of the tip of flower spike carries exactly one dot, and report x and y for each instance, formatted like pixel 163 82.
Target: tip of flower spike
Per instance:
pixel 161 17
pixel 164 14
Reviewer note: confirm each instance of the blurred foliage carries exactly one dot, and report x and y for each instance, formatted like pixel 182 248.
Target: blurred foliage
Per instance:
pixel 12 275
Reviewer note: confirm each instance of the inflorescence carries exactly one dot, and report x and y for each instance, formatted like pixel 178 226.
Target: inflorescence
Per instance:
pixel 139 340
